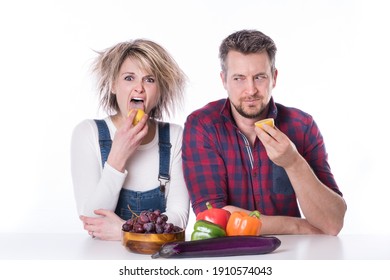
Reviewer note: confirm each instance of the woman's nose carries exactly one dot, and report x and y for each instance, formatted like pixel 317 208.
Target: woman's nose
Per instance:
pixel 139 87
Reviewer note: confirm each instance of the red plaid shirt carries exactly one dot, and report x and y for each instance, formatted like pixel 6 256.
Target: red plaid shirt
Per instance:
pixel 221 167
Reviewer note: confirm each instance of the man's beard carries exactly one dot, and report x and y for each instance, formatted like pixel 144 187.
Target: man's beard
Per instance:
pixel 253 115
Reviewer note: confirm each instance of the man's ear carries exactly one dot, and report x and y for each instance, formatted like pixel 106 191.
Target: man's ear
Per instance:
pixel 222 74
pixel 274 78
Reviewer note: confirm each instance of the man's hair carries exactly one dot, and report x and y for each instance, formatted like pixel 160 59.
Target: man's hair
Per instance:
pixel 247 42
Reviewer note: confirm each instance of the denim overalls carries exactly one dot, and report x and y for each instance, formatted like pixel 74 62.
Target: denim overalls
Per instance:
pixel 136 200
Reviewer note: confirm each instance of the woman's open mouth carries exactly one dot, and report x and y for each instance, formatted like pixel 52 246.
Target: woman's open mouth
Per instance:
pixel 136 103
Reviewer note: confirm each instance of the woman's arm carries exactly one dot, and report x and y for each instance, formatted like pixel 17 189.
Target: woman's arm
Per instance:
pixel 94 188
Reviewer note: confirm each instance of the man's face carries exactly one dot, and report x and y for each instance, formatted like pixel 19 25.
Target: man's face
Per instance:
pixel 249 82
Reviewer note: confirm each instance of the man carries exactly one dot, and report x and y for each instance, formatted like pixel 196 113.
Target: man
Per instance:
pixel 283 171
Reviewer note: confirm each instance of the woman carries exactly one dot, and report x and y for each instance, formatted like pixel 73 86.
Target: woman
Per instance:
pixel 119 168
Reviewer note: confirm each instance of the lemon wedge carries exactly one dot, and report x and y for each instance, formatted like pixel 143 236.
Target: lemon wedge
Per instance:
pixel 138 116
pixel 269 122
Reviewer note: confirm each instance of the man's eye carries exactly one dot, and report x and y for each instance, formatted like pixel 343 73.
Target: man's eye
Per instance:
pixel 260 77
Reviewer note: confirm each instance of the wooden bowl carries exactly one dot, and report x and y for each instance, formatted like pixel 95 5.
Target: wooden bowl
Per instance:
pixel 149 243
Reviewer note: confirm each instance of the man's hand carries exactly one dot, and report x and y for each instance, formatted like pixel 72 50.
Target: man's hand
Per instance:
pixel 280 149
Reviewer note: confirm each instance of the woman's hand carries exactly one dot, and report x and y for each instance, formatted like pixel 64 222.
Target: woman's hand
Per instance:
pixel 126 140
pixel 106 227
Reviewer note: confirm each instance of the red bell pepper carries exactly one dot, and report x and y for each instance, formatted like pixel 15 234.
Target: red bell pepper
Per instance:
pixel 217 216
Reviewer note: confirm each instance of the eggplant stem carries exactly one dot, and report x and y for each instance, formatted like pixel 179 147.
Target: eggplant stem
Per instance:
pixel 156 255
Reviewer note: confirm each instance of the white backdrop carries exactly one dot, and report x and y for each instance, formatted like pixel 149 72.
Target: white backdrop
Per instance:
pixel 333 59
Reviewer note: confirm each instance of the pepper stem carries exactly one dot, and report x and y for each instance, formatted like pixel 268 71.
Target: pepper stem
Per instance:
pixel 255 214
pixel 208 205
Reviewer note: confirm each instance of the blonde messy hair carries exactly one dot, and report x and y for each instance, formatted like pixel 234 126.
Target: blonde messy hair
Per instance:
pixel 155 60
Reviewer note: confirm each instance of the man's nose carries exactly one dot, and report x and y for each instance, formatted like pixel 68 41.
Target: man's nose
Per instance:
pixel 251 87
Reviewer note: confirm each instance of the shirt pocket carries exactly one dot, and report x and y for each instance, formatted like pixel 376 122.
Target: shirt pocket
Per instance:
pixel 280 182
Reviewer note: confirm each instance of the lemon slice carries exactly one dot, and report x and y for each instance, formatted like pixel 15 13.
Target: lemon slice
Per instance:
pixel 269 122
pixel 138 116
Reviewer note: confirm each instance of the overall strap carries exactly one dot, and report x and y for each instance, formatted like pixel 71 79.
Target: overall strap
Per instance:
pixel 105 141
pixel 165 153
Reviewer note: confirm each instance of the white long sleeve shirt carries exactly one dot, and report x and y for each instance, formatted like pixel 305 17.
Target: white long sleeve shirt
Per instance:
pixel 97 188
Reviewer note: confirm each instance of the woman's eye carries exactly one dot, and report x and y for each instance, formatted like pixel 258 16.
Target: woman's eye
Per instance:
pixel 129 78
pixel 150 80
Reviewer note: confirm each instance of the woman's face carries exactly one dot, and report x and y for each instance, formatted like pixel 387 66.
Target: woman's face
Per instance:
pixel 135 88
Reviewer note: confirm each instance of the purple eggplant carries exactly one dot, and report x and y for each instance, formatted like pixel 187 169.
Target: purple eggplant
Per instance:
pixel 219 247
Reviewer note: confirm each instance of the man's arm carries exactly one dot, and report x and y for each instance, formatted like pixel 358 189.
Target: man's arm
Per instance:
pixel 281 224
pixel 322 207
pixel 203 167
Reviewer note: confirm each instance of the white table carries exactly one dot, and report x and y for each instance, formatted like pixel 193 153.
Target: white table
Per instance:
pixel 80 246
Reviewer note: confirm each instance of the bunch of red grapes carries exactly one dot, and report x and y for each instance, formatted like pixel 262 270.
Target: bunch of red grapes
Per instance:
pixel 150 222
